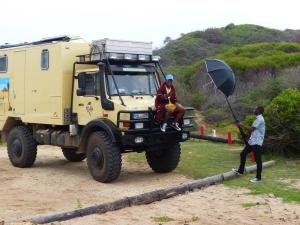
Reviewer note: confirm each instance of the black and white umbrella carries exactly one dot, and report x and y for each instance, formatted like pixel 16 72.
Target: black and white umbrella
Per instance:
pixel 224 79
pixel 222 76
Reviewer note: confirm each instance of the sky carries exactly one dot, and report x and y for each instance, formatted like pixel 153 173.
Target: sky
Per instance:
pixel 138 20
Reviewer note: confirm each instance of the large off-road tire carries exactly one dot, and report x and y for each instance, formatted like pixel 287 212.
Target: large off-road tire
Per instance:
pixel 165 159
pixel 21 147
pixel 71 155
pixel 103 157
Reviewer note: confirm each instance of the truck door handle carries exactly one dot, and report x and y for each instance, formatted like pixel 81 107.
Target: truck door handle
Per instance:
pixel 80 104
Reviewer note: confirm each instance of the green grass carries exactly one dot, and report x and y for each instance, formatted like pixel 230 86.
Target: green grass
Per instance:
pixel 201 159
pixel 161 219
pixel 252 204
pixel 272 181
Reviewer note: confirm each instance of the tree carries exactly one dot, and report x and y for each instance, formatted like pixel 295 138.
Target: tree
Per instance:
pixel 167 40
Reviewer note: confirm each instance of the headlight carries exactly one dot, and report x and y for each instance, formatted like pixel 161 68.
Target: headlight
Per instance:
pixel 139 140
pixel 116 56
pixel 130 57
pixel 138 125
pixel 144 57
pixel 184 136
pixel 155 58
pixel 139 116
pixel 186 122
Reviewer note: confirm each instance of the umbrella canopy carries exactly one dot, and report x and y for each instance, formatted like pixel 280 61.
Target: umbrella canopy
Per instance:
pixel 222 75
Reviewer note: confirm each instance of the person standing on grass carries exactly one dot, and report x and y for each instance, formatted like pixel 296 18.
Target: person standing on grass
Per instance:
pixel 254 144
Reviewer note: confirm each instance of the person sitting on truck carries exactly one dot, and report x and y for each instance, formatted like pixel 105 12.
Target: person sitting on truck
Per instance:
pixel 166 105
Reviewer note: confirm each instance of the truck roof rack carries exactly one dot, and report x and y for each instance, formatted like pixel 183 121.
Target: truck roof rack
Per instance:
pixel 119 51
pixel 42 41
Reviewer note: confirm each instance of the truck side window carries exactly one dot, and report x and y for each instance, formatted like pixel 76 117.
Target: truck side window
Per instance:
pixel 45 59
pixel 90 83
pixel 3 64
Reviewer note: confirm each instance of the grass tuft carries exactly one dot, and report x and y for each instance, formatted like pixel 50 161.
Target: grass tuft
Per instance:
pixel 162 219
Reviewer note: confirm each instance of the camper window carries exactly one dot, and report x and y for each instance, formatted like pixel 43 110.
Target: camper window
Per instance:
pixel 3 64
pixel 45 59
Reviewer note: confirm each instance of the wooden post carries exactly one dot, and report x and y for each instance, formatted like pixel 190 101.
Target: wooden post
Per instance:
pixel 202 130
pixel 213 133
pixel 229 138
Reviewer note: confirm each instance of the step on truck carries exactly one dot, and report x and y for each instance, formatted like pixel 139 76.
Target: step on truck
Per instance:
pixel 94 100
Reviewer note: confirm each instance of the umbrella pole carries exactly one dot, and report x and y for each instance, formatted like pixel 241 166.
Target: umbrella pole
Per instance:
pixel 236 120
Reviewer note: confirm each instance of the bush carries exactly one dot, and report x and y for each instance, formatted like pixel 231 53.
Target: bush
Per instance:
pixel 283 122
pixel 214 115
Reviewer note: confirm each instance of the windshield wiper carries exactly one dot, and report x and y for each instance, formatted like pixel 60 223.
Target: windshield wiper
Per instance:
pixel 115 83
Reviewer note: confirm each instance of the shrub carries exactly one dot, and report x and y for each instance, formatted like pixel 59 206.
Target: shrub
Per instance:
pixel 214 115
pixel 249 120
pixel 283 122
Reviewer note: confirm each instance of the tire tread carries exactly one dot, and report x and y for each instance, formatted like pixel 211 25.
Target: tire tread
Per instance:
pixel 114 159
pixel 167 161
pixel 30 147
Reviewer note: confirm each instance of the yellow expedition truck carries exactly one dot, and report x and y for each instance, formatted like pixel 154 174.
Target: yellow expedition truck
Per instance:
pixel 94 100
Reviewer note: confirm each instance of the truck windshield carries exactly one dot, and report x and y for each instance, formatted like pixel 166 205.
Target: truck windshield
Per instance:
pixel 133 84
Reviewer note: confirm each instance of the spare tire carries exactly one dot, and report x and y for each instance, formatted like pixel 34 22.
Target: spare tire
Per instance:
pixel 71 155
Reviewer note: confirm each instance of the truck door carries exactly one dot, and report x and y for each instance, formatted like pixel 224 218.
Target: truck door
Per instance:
pixel 87 104
pixel 18 79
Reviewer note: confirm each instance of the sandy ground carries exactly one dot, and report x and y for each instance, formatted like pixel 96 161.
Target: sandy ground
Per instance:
pixel 56 185
pixel 212 205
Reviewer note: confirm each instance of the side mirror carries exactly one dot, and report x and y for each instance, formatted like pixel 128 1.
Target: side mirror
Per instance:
pixel 80 92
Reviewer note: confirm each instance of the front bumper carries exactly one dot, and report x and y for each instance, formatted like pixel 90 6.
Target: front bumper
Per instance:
pixel 133 139
pixel 150 135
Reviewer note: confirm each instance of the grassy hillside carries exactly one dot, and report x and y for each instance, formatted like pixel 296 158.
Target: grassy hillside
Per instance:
pixel 249 60
pixel 190 47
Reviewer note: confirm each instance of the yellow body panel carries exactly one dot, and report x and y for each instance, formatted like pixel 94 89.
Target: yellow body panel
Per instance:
pixel 36 95
pixel 41 96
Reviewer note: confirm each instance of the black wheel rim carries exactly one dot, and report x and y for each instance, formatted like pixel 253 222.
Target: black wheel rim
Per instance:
pixel 98 158
pixel 17 148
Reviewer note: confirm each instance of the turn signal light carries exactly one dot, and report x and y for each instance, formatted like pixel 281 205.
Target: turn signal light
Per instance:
pixel 126 124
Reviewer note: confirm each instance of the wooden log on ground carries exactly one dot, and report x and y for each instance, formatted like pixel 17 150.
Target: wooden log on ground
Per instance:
pixel 213 139
pixel 145 198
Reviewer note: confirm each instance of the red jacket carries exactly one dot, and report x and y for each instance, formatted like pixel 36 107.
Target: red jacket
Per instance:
pixel 160 100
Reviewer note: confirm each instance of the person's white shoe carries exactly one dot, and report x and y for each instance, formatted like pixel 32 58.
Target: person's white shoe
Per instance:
pixel 163 127
pixel 255 180
pixel 176 126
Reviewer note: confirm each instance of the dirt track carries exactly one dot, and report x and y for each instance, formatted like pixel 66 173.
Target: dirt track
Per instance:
pixel 56 185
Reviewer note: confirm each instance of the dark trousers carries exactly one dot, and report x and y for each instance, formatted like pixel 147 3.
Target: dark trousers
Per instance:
pixel 257 154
